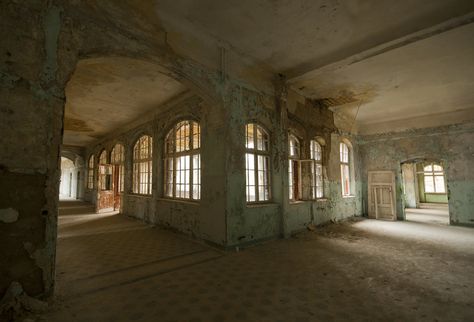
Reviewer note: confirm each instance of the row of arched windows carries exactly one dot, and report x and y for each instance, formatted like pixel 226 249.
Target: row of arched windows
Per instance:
pixel 182 165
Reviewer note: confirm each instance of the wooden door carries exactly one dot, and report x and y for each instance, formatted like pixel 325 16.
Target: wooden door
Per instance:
pixel 382 195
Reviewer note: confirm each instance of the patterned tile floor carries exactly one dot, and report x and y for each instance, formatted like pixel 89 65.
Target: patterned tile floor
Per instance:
pixel 111 268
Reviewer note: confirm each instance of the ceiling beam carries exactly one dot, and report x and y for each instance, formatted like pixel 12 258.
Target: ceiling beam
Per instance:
pixel 388 46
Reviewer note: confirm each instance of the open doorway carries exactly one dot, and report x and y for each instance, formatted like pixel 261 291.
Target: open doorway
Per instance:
pixel 425 196
pixel 70 187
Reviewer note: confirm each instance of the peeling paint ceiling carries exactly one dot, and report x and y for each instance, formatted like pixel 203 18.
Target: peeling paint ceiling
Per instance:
pixel 425 78
pixel 418 77
pixel 107 93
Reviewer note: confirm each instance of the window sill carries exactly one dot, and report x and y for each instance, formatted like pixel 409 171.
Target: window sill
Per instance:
pixel 261 204
pixel 349 196
pixel 185 201
pixel 296 202
pixel 139 195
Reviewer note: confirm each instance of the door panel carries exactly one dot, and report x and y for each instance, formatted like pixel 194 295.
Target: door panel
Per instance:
pixel 382 195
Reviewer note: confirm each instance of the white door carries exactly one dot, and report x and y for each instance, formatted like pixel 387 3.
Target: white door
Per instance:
pixel 382 195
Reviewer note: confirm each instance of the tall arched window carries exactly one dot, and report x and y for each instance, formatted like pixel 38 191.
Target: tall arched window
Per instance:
pixel 117 158
pixel 434 178
pixel 317 183
pixel 142 165
pixel 345 160
pixel 90 172
pixel 257 163
pixel 102 170
pixel 293 167
pixel 183 161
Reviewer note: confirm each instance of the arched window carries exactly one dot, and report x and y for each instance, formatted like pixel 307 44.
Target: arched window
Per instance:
pixel 257 163
pixel 90 172
pixel 142 165
pixel 434 178
pixel 293 167
pixel 183 161
pixel 345 160
pixel 117 158
pixel 103 176
pixel 317 183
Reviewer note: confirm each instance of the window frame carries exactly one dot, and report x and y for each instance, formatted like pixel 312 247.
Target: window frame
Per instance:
pixel 433 174
pixel 120 162
pixel 171 154
pixel 256 152
pixel 346 164
pixel 90 172
pixel 294 164
pixel 317 162
pixel 104 178
pixel 138 161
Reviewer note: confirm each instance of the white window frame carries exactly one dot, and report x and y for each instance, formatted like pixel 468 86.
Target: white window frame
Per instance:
pixel 141 157
pixel 90 172
pixel 317 180
pixel 117 157
pixel 257 148
pixel 294 155
pixel 175 154
pixel 438 188
pixel 346 168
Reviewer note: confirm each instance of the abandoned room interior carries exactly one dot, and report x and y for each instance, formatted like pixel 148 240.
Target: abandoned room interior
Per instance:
pixel 234 160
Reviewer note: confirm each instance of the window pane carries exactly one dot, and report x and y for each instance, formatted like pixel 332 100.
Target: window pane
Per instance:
pixel 290 179
pixel 196 136
pixel 437 168
pixel 344 152
pixel 250 176
pixel 315 150
pixel 439 184
pixel 249 136
pixel 345 180
pixel 294 146
pixel 429 184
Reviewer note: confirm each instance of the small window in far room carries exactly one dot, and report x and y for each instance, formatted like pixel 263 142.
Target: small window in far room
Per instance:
pixel 257 163
pixel 434 178
pixel 344 154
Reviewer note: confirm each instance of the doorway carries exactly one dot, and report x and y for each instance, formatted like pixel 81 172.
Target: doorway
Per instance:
pixel 425 197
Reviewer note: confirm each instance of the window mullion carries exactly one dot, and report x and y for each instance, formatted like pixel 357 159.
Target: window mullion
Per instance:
pixel 257 198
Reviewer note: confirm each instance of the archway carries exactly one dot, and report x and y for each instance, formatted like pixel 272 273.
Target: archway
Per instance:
pixel 425 191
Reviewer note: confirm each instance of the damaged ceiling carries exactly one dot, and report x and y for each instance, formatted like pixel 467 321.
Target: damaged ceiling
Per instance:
pixel 105 94
pixel 374 62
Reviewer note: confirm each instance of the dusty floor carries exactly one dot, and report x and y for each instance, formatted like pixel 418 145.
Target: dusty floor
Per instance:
pixel 112 268
pixel 433 216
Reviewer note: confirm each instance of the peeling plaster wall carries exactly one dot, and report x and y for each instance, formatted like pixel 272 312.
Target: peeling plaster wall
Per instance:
pixel 204 219
pixel 31 109
pixel 450 144
pixel 250 223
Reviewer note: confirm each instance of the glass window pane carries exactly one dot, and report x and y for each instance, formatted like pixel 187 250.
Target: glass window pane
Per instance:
pixel 429 184
pixel 439 184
